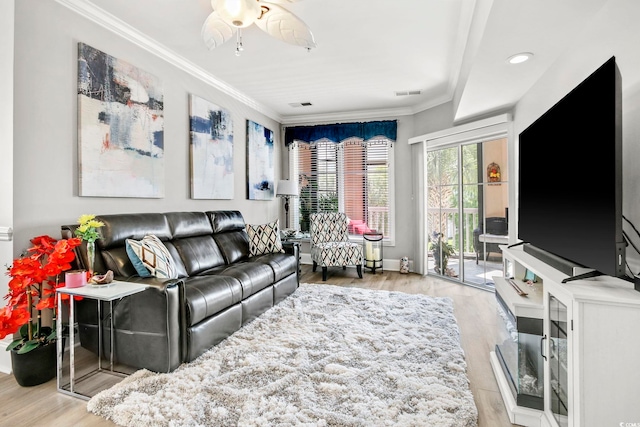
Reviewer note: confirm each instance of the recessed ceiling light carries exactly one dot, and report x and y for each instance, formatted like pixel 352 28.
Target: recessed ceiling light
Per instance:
pixel 519 58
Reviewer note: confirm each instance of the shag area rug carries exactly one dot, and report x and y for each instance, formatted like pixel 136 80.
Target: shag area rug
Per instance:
pixel 325 356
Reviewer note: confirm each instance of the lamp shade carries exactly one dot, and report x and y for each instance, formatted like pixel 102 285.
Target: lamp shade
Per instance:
pixel 287 188
pixel 239 13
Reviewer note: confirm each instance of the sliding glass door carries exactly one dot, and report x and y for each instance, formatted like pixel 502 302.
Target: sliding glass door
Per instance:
pixel 467 211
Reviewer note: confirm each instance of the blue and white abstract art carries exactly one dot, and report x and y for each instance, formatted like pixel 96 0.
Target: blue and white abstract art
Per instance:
pixel 260 169
pixel 211 129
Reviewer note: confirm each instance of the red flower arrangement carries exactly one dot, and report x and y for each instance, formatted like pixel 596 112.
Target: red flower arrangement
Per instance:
pixel 34 279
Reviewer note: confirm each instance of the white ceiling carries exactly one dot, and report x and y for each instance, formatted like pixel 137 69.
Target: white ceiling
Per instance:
pixel 367 51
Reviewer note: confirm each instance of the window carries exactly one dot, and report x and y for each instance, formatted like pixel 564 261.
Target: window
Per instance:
pixel 352 176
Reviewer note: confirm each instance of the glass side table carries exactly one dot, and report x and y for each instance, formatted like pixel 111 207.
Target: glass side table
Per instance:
pixel 109 293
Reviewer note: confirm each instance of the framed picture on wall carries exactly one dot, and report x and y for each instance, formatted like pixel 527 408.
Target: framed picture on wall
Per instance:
pixel 260 167
pixel 120 128
pixel 211 150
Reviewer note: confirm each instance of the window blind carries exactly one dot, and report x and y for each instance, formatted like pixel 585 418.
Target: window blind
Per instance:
pixel 351 177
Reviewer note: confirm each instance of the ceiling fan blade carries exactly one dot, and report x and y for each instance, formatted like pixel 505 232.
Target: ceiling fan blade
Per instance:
pixel 284 25
pixel 215 31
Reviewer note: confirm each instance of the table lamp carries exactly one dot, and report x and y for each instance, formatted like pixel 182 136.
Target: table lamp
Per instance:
pixel 287 189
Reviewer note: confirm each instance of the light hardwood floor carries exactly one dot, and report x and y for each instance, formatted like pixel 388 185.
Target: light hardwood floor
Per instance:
pixel 474 309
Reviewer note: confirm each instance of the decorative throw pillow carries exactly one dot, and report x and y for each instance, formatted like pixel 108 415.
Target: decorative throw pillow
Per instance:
pixel 150 257
pixel 264 238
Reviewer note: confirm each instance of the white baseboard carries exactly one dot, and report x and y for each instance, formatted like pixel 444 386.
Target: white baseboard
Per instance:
pixel 387 264
pixel 5 357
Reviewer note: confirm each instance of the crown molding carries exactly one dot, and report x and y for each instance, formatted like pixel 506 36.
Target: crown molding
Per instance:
pixel 106 20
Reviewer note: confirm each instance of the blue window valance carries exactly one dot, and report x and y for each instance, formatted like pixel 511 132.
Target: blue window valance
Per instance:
pixel 341 131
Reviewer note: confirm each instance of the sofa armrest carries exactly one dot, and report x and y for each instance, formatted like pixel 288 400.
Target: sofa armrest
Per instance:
pixel 293 248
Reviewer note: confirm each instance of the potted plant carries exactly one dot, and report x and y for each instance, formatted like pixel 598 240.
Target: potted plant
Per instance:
pixel 441 250
pixel 32 290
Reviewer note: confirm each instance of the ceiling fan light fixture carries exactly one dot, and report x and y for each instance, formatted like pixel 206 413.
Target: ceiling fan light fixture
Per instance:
pixel 239 13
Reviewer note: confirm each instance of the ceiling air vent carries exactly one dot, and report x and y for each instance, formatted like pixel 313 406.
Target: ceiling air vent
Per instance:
pixel 300 104
pixel 408 92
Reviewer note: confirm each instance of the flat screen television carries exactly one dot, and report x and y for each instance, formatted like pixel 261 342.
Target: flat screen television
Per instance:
pixel 570 176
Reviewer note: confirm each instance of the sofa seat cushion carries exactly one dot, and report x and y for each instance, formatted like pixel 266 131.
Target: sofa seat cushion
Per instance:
pixel 208 295
pixel 337 254
pixel 253 276
pixel 281 264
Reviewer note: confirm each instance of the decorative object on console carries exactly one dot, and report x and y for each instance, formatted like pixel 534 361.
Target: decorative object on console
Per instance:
pixel 102 279
pixel 285 369
pixel 404 264
pixel 230 16
pixel 493 173
pixel 75 278
pixel 88 231
pixel 211 149
pixel 260 170
pixel 34 278
pixel 120 128
pixel 151 258
pixel 287 189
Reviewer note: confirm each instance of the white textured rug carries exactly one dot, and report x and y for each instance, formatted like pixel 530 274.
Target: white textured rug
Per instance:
pixel 326 356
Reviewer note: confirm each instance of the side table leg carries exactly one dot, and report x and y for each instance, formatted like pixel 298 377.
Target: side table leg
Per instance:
pixel 111 336
pixel 72 344
pixel 59 347
pixel 99 335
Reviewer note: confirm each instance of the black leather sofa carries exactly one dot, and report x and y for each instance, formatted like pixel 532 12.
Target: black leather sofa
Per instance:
pixel 218 290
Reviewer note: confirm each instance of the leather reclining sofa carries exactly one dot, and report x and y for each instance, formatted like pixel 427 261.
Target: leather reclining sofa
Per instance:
pixel 219 287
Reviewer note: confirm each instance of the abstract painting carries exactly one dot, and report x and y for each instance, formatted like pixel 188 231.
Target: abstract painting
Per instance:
pixel 211 131
pixel 120 128
pixel 260 169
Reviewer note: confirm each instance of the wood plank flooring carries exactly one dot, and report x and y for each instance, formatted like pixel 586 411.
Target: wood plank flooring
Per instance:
pixel 474 309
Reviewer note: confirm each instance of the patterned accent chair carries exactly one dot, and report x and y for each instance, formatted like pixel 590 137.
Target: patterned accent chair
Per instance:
pixel 330 245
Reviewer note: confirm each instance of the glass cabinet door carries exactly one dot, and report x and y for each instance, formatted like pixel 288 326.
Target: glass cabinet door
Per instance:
pixel 558 373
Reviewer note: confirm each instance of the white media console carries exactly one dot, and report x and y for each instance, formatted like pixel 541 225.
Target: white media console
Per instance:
pixel 567 354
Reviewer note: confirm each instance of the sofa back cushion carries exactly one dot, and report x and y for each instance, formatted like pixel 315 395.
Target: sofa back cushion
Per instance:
pixel 188 224
pixel 198 253
pixel 230 235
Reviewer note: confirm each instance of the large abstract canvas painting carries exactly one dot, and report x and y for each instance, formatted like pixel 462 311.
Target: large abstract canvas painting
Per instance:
pixel 120 128
pixel 260 169
pixel 211 130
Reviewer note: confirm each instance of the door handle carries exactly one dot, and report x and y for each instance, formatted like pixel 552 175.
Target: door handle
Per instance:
pixel 542 347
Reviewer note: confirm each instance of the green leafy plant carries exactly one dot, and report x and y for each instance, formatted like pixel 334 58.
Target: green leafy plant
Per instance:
pixel 441 250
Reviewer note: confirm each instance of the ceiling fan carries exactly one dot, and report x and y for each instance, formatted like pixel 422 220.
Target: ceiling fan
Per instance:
pixel 230 16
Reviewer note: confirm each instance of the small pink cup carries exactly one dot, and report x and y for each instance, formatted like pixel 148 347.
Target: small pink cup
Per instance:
pixel 75 278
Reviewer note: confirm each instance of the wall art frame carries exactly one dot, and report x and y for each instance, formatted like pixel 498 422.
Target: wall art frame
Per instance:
pixel 260 162
pixel 211 150
pixel 120 128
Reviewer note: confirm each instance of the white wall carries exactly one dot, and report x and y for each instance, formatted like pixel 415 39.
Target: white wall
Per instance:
pixel 6 152
pixel 45 145
pixel 613 32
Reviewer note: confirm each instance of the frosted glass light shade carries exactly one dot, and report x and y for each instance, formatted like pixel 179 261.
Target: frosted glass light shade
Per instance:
pixel 239 13
pixel 287 188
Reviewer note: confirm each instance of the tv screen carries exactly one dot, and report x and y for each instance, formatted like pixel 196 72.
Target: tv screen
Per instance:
pixel 570 176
